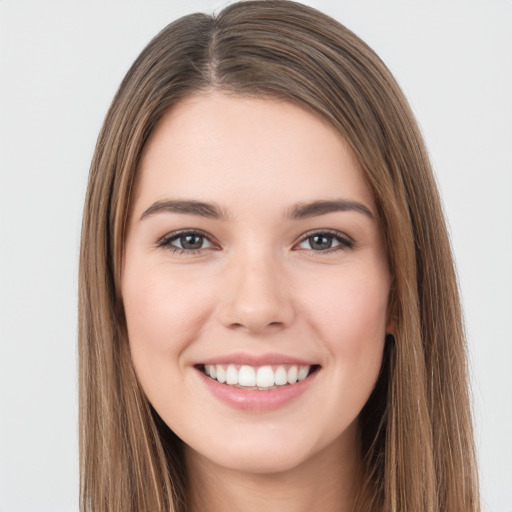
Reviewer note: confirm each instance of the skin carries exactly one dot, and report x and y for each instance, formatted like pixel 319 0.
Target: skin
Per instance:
pixel 258 285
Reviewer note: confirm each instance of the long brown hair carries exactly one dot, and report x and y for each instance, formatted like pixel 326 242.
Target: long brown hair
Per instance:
pixel 416 431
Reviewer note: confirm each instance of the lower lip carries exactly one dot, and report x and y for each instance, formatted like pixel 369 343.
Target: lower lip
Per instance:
pixel 253 400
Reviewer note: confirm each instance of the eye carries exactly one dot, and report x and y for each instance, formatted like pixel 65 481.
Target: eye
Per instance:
pixel 187 241
pixel 325 241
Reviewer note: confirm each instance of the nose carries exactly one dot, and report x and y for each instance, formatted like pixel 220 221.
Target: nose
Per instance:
pixel 256 296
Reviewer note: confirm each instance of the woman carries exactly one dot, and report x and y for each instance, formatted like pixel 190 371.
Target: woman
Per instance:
pixel 269 314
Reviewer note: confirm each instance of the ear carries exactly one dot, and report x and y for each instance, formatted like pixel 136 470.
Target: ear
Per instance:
pixel 390 339
pixel 390 325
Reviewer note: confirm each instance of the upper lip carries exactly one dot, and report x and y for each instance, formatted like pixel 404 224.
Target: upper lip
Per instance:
pixel 256 360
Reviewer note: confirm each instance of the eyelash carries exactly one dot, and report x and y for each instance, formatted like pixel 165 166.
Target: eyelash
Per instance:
pixel 166 241
pixel 344 242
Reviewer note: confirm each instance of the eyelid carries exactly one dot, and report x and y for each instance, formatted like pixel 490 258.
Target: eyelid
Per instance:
pixel 165 241
pixel 346 241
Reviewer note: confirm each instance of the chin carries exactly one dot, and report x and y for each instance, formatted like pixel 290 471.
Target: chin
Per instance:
pixel 255 460
pixel 253 453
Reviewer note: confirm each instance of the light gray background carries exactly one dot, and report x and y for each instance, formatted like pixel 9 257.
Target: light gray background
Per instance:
pixel 60 64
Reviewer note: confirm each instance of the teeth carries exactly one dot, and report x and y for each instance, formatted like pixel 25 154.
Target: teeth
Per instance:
pixel 221 373
pixel 303 372
pixel 280 377
pixel 231 375
pixel 247 376
pixel 265 377
pixel 292 374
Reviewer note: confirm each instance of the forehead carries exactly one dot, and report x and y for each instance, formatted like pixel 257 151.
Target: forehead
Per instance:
pixel 224 147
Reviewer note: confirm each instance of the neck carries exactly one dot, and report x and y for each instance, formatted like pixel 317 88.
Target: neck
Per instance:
pixel 327 482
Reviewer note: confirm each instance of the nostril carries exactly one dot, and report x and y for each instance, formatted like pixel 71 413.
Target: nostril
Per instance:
pixel 255 305
pixel 254 325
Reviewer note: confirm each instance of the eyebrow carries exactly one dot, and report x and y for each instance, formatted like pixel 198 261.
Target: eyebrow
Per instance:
pixel 191 207
pixel 298 211
pixel 323 207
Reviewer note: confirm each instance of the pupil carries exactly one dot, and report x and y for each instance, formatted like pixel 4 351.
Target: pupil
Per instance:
pixel 321 242
pixel 191 241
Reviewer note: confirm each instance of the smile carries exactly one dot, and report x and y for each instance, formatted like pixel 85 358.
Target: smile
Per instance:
pixel 261 378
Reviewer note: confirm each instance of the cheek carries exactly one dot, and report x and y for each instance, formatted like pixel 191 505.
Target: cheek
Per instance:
pixel 353 309
pixel 163 316
pixel 352 320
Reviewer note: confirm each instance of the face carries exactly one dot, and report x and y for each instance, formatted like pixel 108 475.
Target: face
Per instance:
pixel 255 282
